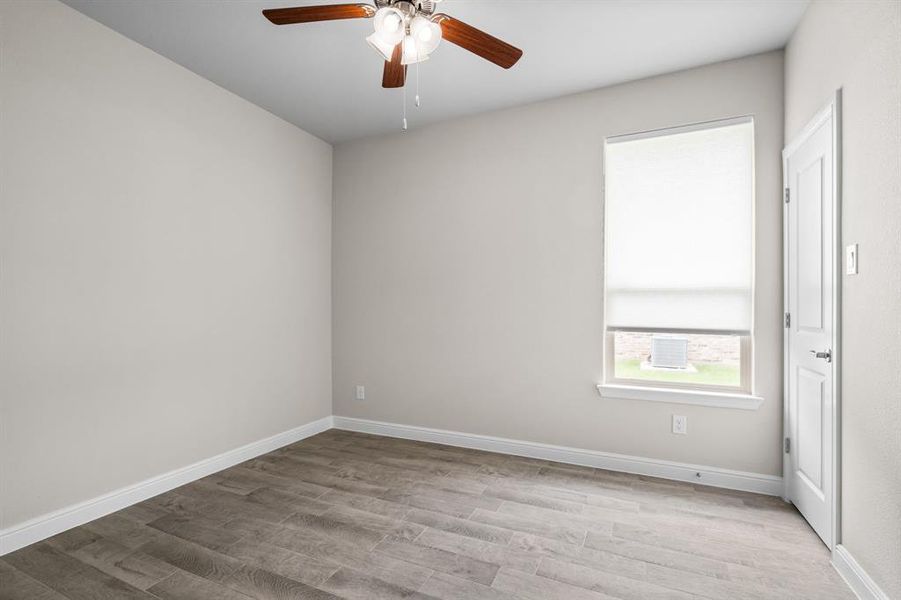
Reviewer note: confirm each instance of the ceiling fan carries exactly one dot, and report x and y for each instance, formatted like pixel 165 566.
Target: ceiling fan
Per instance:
pixel 406 32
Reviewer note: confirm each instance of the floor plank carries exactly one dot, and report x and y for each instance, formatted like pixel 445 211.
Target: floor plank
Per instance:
pixel 70 577
pixel 15 584
pixel 266 585
pixel 437 559
pixel 606 582
pixel 463 527
pixel 131 566
pixel 185 586
pixel 500 554
pixel 191 557
pixel 449 587
pixel 353 585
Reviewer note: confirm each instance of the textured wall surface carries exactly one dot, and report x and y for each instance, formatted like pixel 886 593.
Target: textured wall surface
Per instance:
pixel 165 252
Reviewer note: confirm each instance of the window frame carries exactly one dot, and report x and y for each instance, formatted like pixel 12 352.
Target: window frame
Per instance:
pixel 692 393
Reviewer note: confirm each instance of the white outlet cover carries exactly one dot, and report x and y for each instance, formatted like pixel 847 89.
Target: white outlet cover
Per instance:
pixel 851 259
pixel 680 424
pixel 361 392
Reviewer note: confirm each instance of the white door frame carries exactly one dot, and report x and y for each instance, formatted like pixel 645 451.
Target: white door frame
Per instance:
pixel 833 110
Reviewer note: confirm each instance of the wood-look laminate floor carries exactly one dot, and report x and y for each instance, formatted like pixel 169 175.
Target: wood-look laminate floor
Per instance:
pixel 349 515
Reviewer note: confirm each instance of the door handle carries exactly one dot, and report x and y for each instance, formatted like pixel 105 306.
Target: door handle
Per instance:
pixel 827 355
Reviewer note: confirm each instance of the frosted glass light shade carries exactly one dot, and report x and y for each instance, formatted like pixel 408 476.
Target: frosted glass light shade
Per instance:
pixel 389 25
pixel 679 229
pixel 426 34
pixel 384 48
pixel 411 52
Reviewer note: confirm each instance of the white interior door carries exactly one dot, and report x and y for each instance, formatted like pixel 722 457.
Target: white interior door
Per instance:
pixel 810 278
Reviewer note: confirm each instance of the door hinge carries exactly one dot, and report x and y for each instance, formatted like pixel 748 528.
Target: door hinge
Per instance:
pixel 788 320
pixel 787 195
pixel 787 445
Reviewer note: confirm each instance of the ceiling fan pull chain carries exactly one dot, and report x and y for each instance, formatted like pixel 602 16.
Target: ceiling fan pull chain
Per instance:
pixel 417 85
pixel 404 92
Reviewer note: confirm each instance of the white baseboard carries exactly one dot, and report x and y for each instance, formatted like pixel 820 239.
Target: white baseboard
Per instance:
pixel 714 476
pixel 854 575
pixel 39 528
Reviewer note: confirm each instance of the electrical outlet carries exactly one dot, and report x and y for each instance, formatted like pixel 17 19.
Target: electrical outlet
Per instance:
pixel 680 424
pixel 361 392
pixel 851 259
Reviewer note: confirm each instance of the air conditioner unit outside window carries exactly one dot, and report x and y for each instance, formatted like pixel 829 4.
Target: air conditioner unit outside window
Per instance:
pixel 669 351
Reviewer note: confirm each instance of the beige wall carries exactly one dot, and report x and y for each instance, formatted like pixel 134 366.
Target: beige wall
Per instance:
pixel 468 288
pixel 164 248
pixel 856 46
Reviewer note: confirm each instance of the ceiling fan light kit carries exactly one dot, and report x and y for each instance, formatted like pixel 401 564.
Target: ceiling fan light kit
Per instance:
pixel 402 23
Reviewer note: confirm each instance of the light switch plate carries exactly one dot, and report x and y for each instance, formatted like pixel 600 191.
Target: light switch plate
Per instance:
pixel 851 259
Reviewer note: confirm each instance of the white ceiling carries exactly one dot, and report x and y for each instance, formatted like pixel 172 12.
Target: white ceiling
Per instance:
pixel 324 78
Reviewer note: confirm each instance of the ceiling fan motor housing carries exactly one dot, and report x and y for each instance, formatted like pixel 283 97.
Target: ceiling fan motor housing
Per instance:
pixel 412 8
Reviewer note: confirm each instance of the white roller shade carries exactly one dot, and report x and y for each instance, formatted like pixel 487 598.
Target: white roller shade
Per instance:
pixel 679 225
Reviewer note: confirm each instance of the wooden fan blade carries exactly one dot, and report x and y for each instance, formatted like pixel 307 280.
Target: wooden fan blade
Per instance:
pixel 395 74
pixel 478 42
pixel 310 14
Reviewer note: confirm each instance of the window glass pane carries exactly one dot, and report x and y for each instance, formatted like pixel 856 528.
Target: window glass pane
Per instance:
pixel 680 358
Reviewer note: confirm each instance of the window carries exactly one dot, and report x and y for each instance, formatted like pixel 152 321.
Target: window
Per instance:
pixel 679 206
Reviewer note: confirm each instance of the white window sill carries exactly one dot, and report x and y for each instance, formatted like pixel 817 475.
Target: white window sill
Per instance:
pixel 679 396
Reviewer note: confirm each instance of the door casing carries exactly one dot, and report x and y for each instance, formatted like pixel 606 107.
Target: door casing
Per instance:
pixel 833 110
